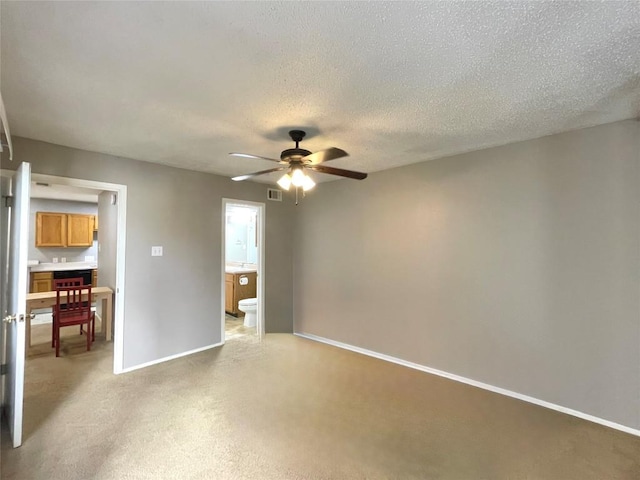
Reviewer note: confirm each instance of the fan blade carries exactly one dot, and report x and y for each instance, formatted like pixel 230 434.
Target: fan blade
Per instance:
pixel 246 155
pixel 249 175
pixel 338 171
pixel 324 156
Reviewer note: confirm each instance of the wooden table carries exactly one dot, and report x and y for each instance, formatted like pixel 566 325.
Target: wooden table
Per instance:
pixel 48 300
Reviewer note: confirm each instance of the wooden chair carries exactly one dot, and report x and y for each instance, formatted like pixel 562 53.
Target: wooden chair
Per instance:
pixel 69 282
pixel 73 307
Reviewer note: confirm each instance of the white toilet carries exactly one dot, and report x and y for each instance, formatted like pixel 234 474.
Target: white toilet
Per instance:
pixel 250 308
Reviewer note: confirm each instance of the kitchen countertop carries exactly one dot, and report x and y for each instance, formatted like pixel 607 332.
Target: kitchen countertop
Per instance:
pixel 59 267
pixel 232 269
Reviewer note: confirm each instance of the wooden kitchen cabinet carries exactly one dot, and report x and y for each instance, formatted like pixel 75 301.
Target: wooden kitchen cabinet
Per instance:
pixel 95 223
pixel 64 229
pixel 79 230
pixel 51 229
pixel 41 282
pixel 234 291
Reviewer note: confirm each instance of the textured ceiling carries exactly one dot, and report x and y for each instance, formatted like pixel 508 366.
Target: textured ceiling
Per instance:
pixel 392 83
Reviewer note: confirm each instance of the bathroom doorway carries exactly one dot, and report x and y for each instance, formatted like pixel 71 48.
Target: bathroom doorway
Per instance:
pixel 243 267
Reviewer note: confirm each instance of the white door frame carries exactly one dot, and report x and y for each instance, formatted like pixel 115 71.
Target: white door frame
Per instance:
pixel 121 191
pixel 261 250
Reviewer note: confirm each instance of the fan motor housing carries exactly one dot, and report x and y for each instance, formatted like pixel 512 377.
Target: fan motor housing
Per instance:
pixel 295 153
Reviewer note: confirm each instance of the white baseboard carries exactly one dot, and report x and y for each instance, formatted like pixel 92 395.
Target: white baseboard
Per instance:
pixel 171 357
pixel 474 383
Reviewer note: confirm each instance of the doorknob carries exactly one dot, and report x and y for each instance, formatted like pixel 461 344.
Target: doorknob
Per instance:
pixel 13 318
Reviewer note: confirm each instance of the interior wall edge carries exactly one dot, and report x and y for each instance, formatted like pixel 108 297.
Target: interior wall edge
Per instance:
pixel 517 266
pixel 170 357
pixel 471 382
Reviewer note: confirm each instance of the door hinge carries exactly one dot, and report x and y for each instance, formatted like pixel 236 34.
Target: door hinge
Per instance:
pixel 8 201
pixel 4 369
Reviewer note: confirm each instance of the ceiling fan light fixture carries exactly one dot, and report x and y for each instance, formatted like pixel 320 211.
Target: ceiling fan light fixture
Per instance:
pixel 297 177
pixel 296 160
pixel 308 183
pixel 285 182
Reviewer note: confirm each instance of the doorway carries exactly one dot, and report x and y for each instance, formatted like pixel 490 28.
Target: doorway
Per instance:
pixel 243 227
pixel 119 192
pixel 111 202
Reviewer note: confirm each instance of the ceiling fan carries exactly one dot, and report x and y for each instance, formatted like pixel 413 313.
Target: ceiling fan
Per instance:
pixel 296 160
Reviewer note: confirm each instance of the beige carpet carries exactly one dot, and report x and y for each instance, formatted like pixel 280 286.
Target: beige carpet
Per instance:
pixel 72 343
pixel 290 408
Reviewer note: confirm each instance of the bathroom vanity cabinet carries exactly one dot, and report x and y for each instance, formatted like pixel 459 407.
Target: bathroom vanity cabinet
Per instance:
pixel 238 286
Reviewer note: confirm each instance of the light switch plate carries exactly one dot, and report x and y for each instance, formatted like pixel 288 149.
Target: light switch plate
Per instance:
pixel 156 251
pixel 55 259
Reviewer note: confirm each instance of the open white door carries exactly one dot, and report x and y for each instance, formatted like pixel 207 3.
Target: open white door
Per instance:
pixel 14 301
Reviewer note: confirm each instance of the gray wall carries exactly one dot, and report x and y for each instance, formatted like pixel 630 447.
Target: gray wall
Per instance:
pixel 107 239
pixel 72 254
pixel 172 303
pixel 108 243
pixel 517 266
